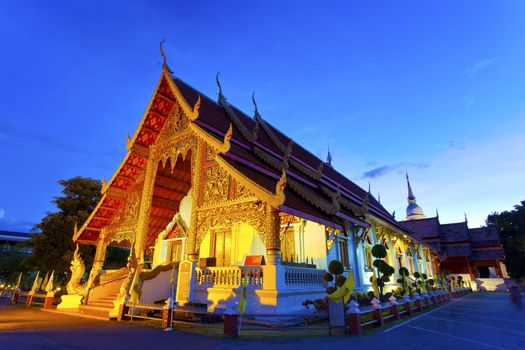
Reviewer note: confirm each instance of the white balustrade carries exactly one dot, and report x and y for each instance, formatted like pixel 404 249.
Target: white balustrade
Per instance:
pixel 228 276
pixel 303 277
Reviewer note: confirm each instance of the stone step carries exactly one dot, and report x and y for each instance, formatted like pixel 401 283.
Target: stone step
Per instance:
pixel 101 304
pixel 97 311
pixel 108 298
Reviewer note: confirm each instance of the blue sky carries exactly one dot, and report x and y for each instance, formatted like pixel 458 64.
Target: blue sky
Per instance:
pixel 435 88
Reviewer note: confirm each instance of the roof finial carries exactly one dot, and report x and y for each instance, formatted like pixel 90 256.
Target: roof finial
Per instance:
pixel 329 158
pixel 369 187
pixel 379 197
pixel 221 96
pixel 465 213
pixel 394 214
pixel 164 63
pixel 437 213
pixel 256 114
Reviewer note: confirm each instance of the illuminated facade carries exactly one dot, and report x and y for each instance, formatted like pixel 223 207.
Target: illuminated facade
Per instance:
pixel 231 196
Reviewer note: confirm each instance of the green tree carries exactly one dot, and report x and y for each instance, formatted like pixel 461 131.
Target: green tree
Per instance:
pixel 12 263
pixel 511 226
pixel 53 245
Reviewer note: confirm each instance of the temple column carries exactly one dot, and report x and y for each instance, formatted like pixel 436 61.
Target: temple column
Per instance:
pixel 141 231
pixel 273 271
pixel 192 250
pixel 100 253
pixel 273 241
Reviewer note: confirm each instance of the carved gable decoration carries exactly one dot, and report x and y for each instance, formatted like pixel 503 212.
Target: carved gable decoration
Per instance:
pixel 240 191
pixel 216 185
pixel 130 211
pixel 177 122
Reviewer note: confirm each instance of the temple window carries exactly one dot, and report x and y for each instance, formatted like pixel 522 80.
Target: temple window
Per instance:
pixel 343 251
pixel 368 256
pixel 399 256
pixel 429 266
pixel 399 261
pixel 410 261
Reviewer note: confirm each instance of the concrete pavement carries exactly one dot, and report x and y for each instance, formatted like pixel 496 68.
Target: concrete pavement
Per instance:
pixel 478 321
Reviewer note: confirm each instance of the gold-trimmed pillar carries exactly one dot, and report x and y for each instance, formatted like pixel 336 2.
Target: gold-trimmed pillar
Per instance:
pixel 273 241
pixel 100 252
pixel 141 232
pixel 192 250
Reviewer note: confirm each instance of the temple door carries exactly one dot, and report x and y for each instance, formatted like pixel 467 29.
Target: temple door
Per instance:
pixel 175 254
pixel 222 245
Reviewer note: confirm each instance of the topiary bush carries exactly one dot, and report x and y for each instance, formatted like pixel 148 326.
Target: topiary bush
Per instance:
pixel 379 251
pixel 336 267
pixel 384 270
pixel 335 275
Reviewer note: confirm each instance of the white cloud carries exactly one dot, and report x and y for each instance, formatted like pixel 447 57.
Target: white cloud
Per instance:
pixel 473 70
pixel 306 130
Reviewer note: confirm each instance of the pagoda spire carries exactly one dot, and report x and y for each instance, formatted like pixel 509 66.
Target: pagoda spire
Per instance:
pixel 414 211
pixel 411 196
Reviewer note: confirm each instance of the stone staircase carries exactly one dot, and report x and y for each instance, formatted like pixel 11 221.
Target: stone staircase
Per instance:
pixel 104 292
pixel 98 306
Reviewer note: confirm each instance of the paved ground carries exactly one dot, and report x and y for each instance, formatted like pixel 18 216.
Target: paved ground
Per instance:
pixel 478 321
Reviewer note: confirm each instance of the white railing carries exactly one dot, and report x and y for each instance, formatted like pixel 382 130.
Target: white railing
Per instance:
pixel 228 276
pixel 303 277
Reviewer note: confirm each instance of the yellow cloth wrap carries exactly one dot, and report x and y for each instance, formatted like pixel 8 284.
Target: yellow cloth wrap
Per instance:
pixel 345 291
pixel 374 285
pixel 242 300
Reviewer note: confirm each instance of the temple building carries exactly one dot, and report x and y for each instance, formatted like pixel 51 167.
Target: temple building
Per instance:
pixel 220 197
pixel 474 253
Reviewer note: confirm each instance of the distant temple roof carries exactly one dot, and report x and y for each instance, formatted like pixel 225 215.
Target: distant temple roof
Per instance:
pixel 426 230
pixel 456 239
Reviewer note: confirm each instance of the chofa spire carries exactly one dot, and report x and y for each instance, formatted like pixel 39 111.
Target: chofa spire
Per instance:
pixel 164 62
pixel 414 211
pixel 329 158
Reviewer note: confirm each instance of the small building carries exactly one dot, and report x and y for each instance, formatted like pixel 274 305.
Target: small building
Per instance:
pixel 10 239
